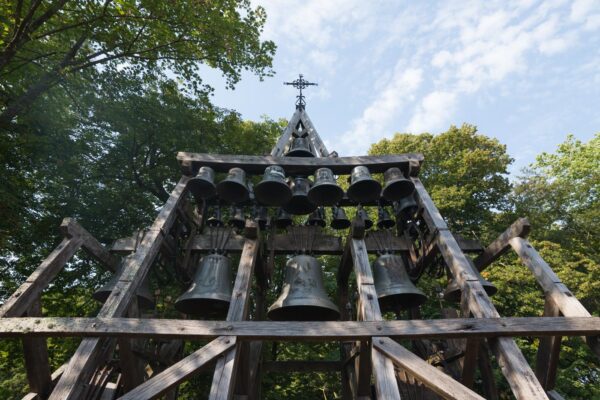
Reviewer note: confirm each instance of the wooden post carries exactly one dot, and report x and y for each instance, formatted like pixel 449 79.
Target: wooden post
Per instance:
pixel 224 376
pixel 89 352
pixel 548 351
pixel 37 363
pixel 518 373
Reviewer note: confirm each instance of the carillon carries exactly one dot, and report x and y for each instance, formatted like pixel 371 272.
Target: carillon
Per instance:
pixel 317 218
pixel 237 218
pixel 396 185
pixel 364 215
pixel 384 221
pixel 363 188
pixel 300 147
pixel 273 190
pixel 203 184
pixel 215 219
pixel 283 219
pixel 339 220
pixel 144 296
pixel 299 203
pixel 325 191
pixel 234 189
pixel 394 288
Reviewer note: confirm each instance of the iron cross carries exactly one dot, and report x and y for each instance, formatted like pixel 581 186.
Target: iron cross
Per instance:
pixel 300 84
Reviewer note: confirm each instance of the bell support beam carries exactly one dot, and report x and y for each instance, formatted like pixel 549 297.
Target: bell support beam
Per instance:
pixel 518 373
pixel 519 228
pixel 191 162
pixel 91 350
pixel 224 375
pixel 554 289
pixel 283 140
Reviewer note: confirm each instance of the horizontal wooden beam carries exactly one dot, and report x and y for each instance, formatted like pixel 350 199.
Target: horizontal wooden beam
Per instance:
pixel 293 331
pixel 191 162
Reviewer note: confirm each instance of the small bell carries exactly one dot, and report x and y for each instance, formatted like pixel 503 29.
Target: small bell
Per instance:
pixel 237 219
pixel 210 292
pixel 453 292
pixel 325 191
pixel 283 220
pixel 384 221
pixel 393 285
pixel 203 184
pixel 273 190
pixel 300 147
pixel 317 218
pixel 396 185
pixel 233 189
pixel 363 188
pixel 215 219
pixel 300 204
pixel 303 296
pixel 261 215
pixel 339 220
pixel 362 214
pixel 144 295
pixel 407 207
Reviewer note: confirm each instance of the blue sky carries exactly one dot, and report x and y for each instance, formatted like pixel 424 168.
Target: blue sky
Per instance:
pixel 525 72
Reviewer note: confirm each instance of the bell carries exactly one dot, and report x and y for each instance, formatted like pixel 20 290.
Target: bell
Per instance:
pixel 215 219
pixel 273 190
pixel 407 206
pixel 393 285
pixel 237 219
pixel 144 295
pixel 325 191
pixel 261 215
pixel 300 147
pixel 203 184
pixel 362 214
pixel 317 218
pixel 299 203
pixel 210 292
pixel 396 185
pixel 233 189
pixel 453 292
pixel 384 221
pixel 303 296
pixel 339 220
pixel 363 188
pixel 284 219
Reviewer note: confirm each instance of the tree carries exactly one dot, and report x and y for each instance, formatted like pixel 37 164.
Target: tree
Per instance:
pixel 464 172
pixel 43 44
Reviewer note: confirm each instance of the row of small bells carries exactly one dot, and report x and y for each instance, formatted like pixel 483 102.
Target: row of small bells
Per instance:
pixel 298 195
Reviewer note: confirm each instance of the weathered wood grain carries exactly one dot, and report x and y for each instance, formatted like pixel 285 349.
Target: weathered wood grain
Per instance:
pixel 519 228
pixel 70 228
pixel 37 363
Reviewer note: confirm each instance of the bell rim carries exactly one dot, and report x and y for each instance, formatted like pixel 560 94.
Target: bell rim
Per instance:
pixel 300 153
pixel 325 194
pixel 182 305
pixel 391 301
pixel 394 190
pixel 278 312
pixel 240 191
pixel 365 190
pixel 266 190
pixel 299 206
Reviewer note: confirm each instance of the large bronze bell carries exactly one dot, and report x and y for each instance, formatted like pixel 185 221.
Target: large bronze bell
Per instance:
pixel 215 219
pixel 317 218
pixel 209 294
pixel 364 215
pixel 300 147
pixel 283 219
pixel 234 189
pixel 325 191
pixel 144 295
pixel 273 190
pixel 303 296
pixel 299 203
pixel 452 293
pixel 237 219
pixel 339 220
pixel 393 285
pixel 261 215
pixel 363 188
pixel 384 221
pixel 203 184
pixel 396 185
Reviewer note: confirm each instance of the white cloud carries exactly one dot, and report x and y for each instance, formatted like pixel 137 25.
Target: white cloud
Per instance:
pixel 433 113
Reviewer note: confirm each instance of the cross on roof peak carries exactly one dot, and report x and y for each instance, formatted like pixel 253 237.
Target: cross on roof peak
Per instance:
pixel 300 84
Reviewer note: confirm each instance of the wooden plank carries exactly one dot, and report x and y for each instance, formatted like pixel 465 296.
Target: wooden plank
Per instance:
pixel 488 379
pixel 554 395
pixel 224 375
pixel 70 228
pixel 131 276
pixel 302 366
pixel 548 352
pixel 283 140
pixel 519 228
pixel 37 364
pixel 518 373
pixel 180 371
pixel 431 377
pixel 383 370
pixel 554 289
pixel 293 165
pixel 24 297
pixel 298 330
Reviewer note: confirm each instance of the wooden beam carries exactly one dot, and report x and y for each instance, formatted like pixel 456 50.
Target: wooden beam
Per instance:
pixel 297 330
pixel 37 364
pixel 191 162
pixel 554 289
pixel 548 352
pixel 70 228
pixel 180 371
pixel 383 370
pixel 431 377
pixel 29 292
pixel 224 375
pixel 518 373
pixel 132 274
pixel 519 228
